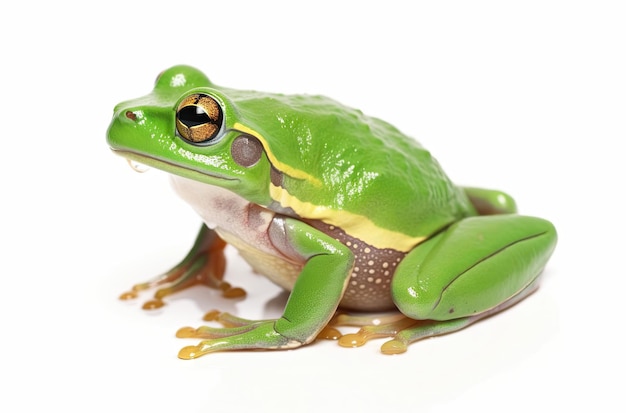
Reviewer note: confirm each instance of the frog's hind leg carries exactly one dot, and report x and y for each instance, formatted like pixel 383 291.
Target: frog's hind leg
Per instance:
pixel 404 330
pixel 475 268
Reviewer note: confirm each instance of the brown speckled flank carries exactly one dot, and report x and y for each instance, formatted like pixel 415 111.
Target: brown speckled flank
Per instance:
pixel 369 285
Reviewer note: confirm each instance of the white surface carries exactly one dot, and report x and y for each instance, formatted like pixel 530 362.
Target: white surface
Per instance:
pixel 526 97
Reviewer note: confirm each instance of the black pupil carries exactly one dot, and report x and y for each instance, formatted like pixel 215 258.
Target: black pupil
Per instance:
pixel 192 116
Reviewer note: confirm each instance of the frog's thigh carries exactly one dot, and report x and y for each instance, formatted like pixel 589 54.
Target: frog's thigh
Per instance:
pixel 473 266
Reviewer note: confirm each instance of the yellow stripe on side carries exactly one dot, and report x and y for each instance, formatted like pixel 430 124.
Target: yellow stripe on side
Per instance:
pixel 289 170
pixel 357 226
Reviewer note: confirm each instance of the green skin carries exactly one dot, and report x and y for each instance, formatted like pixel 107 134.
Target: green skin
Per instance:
pixel 324 178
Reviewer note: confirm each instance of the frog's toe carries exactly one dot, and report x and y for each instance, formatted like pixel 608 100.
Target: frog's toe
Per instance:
pixel 353 340
pixel 153 304
pixel 186 332
pixel 190 352
pixel 394 346
pixel 129 295
pixel 193 352
pixel 227 319
pixel 329 333
pixel 228 291
pixel 203 348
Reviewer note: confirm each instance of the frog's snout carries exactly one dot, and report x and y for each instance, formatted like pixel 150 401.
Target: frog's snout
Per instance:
pixel 128 115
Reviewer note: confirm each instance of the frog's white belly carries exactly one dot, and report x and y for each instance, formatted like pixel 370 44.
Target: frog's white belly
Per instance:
pixel 243 225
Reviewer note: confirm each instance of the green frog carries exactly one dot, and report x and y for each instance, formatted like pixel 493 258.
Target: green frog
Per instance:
pixel 341 209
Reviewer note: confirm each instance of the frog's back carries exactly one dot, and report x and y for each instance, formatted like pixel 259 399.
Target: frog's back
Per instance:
pixel 364 165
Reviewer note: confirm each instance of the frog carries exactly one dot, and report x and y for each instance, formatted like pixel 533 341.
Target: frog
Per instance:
pixel 356 220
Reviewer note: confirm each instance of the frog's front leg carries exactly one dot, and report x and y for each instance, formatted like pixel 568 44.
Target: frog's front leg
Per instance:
pixel 476 267
pixel 203 265
pixel 311 304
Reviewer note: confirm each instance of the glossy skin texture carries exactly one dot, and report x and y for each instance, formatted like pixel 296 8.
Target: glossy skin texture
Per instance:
pixel 338 207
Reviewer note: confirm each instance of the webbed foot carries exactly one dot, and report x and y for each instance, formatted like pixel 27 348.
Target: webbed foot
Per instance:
pixel 204 265
pixel 404 331
pixel 256 335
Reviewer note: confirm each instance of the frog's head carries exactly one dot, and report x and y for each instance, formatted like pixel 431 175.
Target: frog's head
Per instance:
pixel 300 154
pixel 189 127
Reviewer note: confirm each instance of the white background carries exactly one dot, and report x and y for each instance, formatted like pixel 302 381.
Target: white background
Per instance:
pixel 529 97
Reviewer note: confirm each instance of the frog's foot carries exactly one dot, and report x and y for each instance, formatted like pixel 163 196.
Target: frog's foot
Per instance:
pixel 254 335
pixel 329 332
pixel 203 265
pixel 234 326
pixel 372 327
pixel 404 330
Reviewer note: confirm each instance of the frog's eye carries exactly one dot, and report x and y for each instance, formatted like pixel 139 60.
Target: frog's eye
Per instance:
pixel 199 118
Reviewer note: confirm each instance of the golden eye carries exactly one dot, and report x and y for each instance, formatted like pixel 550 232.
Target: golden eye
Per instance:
pixel 199 118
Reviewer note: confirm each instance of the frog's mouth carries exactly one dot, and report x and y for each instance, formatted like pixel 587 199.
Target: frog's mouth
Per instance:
pixel 169 167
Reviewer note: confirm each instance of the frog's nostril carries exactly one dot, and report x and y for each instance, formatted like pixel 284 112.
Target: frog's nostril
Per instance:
pixel 131 115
